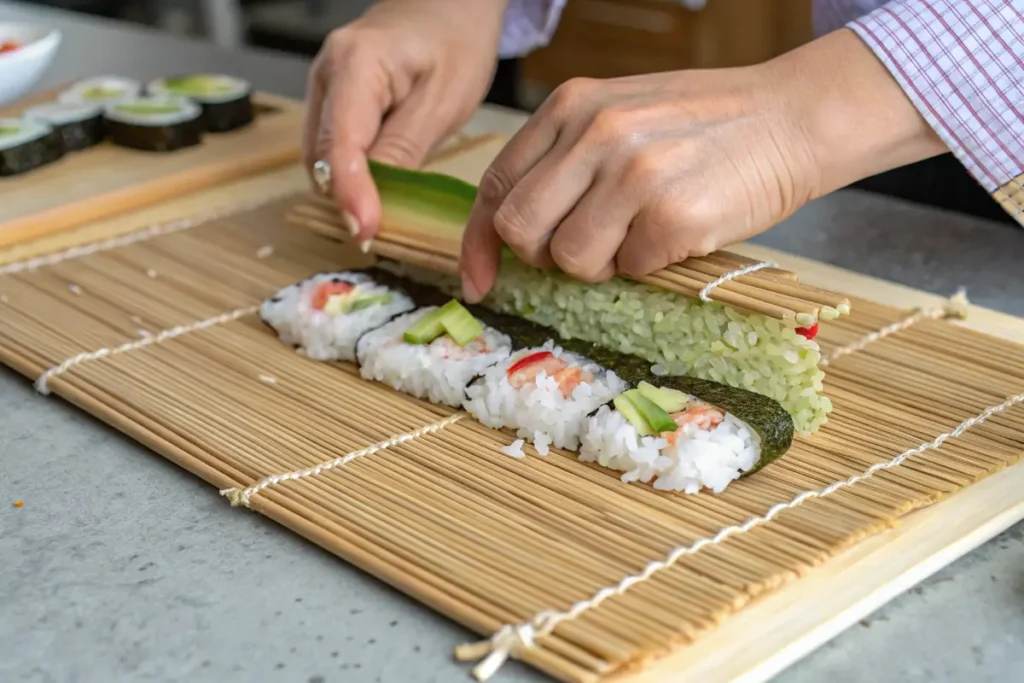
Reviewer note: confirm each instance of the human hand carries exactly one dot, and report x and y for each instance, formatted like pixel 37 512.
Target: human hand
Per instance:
pixel 390 86
pixel 629 175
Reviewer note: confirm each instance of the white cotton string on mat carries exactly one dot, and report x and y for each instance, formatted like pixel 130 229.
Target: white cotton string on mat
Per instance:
pixel 240 496
pixel 705 293
pixel 955 307
pixel 512 640
pixel 157 230
pixel 42 384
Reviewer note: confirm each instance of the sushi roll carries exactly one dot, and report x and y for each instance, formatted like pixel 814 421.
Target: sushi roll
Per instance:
pixel 154 124
pixel 79 124
pixel 684 434
pixel 325 315
pixel 431 353
pixel 26 145
pixel 101 91
pixel 226 101
pixel 543 392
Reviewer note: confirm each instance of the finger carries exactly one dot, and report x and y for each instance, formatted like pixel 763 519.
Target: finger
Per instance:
pixel 481 245
pixel 585 243
pixel 353 107
pixel 539 202
pixel 311 123
pixel 650 245
pixel 412 129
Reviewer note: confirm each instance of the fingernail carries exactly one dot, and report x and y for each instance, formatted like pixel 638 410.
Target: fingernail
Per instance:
pixel 365 245
pixel 351 224
pixel 469 291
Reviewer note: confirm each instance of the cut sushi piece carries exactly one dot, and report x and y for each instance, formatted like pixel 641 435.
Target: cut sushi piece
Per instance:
pixel 79 124
pixel 686 434
pixel 325 315
pixel 544 393
pixel 101 90
pixel 226 101
pixel 437 370
pixel 26 145
pixel 155 124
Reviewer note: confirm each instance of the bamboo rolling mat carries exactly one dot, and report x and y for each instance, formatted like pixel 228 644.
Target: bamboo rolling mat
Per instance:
pixel 158 337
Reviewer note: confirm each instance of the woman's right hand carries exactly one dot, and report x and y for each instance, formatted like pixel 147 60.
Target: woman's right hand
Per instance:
pixel 390 86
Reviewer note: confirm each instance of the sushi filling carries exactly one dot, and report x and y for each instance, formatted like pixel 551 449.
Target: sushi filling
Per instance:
pixel 325 315
pixel 544 393
pixel 671 438
pixel 431 353
pixel 102 91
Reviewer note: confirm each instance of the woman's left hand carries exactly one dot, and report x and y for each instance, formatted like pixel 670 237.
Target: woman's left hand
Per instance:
pixel 626 176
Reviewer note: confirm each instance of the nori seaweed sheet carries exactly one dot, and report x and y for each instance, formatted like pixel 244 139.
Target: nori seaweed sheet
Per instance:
pixel 221 117
pixel 32 154
pixel 83 134
pixel 156 138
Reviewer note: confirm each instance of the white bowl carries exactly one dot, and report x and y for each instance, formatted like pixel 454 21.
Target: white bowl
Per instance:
pixel 21 69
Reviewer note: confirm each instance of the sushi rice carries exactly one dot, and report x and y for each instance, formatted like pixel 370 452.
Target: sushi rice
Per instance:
pixel 438 371
pixel 698 456
pixel 320 332
pixel 540 410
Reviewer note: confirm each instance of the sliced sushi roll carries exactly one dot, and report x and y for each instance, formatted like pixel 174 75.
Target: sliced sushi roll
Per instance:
pixel 684 434
pixel 325 315
pixel 545 393
pixel 155 124
pixel 431 353
pixel 26 145
pixel 79 124
pixel 101 91
pixel 226 101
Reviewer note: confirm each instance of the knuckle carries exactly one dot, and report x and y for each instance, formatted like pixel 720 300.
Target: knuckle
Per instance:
pixel 511 223
pixel 566 96
pixel 575 264
pixel 610 124
pixel 494 185
pixel 643 168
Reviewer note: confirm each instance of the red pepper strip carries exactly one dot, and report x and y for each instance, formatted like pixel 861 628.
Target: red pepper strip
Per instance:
pixel 529 360
pixel 9 46
pixel 809 332
pixel 328 289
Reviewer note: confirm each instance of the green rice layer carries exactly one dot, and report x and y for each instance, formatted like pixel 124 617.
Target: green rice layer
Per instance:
pixel 683 334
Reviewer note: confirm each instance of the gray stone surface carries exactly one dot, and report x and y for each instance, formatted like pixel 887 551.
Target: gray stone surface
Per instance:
pixel 122 567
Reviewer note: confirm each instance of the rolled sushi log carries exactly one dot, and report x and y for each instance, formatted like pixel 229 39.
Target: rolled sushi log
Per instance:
pixel 686 434
pixel 79 124
pixel 226 101
pixel 154 124
pixel 325 315
pixel 431 353
pixel 26 145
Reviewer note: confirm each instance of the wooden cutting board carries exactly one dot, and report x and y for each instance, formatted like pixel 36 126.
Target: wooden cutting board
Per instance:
pixel 107 180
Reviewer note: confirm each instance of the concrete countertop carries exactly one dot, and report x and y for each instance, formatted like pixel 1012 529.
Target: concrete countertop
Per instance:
pixel 122 567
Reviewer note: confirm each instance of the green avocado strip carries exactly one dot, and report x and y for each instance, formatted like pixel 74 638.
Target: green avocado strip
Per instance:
pixel 436 193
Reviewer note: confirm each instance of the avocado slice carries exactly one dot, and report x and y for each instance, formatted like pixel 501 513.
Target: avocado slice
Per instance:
pixel 367 301
pixel 632 415
pixel 418 202
pixel 426 329
pixel 669 400
pixel 656 417
pixel 459 323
